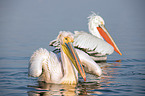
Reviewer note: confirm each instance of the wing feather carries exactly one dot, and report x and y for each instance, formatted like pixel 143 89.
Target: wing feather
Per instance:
pixel 90 42
pixel 89 64
pixel 38 58
pixel 45 65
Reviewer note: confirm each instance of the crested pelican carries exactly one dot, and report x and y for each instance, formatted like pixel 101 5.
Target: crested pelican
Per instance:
pixel 94 43
pixel 61 68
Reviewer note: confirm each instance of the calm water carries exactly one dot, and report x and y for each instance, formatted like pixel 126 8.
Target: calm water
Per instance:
pixel 26 25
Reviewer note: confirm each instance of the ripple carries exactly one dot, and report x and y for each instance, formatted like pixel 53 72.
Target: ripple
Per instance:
pixel 14 58
pixel 127 60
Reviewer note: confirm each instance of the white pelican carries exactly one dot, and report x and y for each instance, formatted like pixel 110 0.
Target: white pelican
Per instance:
pixel 94 43
pixel 52 68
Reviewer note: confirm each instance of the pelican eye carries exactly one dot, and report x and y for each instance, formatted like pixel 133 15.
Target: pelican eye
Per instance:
pixel 65 38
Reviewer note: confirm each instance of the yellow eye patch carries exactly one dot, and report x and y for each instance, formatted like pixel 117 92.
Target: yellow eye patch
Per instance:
pixel 102 22
pixel 67 39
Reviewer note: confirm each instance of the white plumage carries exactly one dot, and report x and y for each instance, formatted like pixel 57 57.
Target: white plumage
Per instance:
pixel 94 43
pixel 90 65
pixel 56 68
pixel 46 66
pixel 90 42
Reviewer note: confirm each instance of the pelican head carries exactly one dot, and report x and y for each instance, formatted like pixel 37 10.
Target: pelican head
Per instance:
pixel 97 28
pixel 96 20
pixel 66 39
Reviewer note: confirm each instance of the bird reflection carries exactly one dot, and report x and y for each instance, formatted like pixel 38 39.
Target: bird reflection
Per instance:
pixel 109 70
pixel 45 89
pixel 93 85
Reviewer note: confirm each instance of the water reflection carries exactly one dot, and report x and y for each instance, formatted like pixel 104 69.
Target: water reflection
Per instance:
pixel 83 88
pixel 93 85
pixel 109 70
pixel 44 89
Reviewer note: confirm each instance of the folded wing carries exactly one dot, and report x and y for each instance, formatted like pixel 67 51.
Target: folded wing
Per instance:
pixel 45 65
pixel 89 42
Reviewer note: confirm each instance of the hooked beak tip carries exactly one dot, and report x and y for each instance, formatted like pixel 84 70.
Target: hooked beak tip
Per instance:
pixel 85 79
pixel 120 53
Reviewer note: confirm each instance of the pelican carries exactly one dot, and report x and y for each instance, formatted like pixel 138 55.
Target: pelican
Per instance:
pixel 98 43
pixel 61 68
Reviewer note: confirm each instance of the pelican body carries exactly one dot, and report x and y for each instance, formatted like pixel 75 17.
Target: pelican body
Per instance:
pixel 95 41
pixel 61 68
pixel 98 43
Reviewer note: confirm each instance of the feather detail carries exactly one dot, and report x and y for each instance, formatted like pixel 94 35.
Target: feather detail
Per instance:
pixel 46 66
pixel 38 58
pixel 90 42
pixel 55 43
pixel 89 64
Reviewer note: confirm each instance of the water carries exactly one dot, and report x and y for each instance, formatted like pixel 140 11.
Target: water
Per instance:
pixel 27 25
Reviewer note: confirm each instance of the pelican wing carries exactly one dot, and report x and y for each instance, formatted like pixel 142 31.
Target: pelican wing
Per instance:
pixel 55 43
pixel 90 42
pixel 89 64
pixel 38 58
pixel 46 65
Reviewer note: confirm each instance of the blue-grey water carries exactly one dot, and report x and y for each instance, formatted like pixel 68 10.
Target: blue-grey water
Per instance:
pixel 26 25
